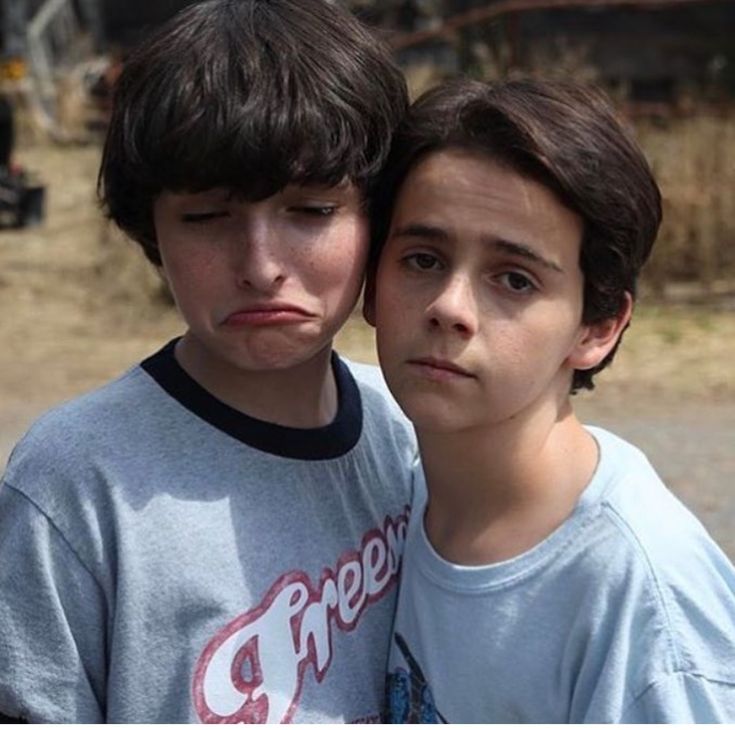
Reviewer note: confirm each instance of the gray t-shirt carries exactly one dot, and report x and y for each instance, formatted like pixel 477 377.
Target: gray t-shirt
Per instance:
pixel 625 614
pixel 164 558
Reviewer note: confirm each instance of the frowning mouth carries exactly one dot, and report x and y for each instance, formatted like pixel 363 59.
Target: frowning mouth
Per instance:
pixel 267 314
pixel 439 369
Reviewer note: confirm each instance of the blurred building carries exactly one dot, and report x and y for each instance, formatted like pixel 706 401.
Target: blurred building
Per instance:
pixel 657 50
pixel 106 21
pixel 657 54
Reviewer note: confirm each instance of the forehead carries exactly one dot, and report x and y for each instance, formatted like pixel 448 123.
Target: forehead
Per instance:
pixel 479 177
pixel 473 192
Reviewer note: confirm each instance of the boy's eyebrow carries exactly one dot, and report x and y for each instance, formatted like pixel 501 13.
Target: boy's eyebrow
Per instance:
pixel 526 252
pixel 421 230
pixel 435 233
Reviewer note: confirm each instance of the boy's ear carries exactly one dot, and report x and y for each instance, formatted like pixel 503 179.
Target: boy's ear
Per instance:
pixel 368 297
pixel 597 339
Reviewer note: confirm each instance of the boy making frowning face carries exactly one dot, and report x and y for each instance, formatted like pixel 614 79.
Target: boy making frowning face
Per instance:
pixel 215 536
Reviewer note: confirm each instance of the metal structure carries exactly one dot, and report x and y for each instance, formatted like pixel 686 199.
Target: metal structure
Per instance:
pixel 506 7
pixel 21 198
pixel 52 35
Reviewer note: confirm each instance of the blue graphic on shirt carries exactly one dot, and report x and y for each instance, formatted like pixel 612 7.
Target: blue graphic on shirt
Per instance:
pixel 409 698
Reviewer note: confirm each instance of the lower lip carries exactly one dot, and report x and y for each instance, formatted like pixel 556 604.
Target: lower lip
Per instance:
pixel 265 318
pixel 437 374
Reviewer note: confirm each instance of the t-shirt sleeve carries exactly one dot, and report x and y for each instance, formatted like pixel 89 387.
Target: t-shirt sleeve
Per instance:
pixel 682 697
pixel 52 621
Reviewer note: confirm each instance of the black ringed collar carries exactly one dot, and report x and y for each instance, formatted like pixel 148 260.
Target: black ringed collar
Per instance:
pixel 327 442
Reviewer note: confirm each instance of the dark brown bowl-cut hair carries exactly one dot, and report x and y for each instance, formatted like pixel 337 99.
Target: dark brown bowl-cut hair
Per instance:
pixel 563 135
pixel 249 96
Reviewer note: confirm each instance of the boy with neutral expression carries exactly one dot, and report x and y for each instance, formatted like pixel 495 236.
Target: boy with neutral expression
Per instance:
pixel 549 575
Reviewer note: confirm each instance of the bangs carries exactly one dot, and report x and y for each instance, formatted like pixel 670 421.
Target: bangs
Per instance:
pixel 249 96
pixel 257 118
pixel 253 151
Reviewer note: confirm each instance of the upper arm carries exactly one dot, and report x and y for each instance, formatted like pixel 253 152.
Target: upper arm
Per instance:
pixel 52 621
pixel 683 697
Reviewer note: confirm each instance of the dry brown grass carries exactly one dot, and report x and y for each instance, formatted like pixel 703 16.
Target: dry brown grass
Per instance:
pixel 694 161
pixel 76 303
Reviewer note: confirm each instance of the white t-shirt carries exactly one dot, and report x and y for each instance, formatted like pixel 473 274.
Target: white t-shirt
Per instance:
pixel 625 614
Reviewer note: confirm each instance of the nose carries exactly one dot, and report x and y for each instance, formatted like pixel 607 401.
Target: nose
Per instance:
pixel 259 265
pixel 455 308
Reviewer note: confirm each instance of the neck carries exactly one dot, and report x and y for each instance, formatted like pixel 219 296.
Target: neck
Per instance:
pixel 496 492
pixel 300 396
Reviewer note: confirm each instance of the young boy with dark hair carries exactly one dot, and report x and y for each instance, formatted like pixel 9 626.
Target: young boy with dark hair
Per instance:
pixel 549 577
pixel 215 536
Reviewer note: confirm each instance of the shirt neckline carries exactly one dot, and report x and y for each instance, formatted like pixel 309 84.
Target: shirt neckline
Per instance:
pixel 326 442
pixel 504 574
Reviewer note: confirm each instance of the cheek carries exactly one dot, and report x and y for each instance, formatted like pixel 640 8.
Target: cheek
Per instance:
pixel 384 302
pixel 338 264
pixel 355 246
pixel 352 260
pixel 395 313
pixel 192 277
pixel 533 356
pixel 186 272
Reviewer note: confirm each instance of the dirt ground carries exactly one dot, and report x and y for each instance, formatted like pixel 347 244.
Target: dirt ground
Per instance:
pixel 79 306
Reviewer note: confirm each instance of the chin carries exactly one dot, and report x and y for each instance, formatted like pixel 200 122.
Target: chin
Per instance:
pixel 431 415
pixel 278 352
pixel 276 361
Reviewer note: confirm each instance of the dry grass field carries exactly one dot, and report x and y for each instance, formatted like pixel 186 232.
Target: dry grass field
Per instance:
pixel 79 306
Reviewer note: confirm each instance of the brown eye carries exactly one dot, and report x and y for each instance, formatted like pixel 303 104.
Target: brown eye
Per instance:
pixel 423 262
pixel 517 282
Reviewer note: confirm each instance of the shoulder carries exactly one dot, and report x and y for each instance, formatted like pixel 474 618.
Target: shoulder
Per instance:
pixel 656 526
pixel 649 557
pixel 81 417
pixel 682 697
pixel 73 438
pixel 388 439
pixel 377 399
pixel 646 514
pixel 368 377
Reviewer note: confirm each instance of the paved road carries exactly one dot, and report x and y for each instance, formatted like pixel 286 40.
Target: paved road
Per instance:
pixel 691 444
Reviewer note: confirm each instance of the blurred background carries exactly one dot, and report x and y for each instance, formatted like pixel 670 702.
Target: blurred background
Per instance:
pixel 79 305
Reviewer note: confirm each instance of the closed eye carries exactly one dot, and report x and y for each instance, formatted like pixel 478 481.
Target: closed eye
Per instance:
pixel 318 211
pixel 204 217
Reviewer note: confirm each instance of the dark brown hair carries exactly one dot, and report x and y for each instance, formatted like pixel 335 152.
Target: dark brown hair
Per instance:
pixel 568 138
pixel 247 95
